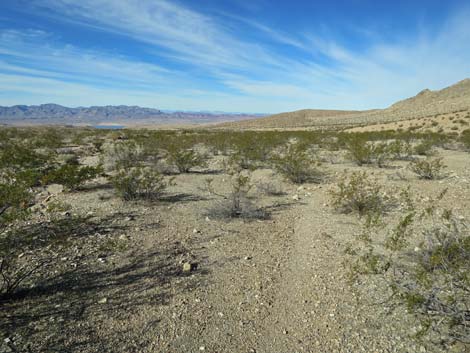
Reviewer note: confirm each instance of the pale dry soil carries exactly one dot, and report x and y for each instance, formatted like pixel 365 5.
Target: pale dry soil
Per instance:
pixel 276 285
pixel 443 123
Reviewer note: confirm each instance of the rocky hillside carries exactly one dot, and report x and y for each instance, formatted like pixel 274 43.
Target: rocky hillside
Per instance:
pixel 57 114
pixel 455 98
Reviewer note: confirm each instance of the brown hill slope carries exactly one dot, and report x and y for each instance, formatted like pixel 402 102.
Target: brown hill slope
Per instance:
pixel 455 98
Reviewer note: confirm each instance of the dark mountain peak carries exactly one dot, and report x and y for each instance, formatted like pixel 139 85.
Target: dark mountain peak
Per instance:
pixel 55 113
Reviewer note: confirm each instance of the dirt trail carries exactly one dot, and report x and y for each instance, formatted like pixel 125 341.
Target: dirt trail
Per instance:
pixel 314 308
pixel 310 290
pixel 261 286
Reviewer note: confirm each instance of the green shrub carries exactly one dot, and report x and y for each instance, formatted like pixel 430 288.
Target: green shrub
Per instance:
pixel 72 176
pixel 122 155
pixel 140 183
pixel 236 204
pixel 425 260
pixel 360 194
pixel 400 149
pixel 185 160
pixel 296 165
pixel 465 139
pixel 359 150
pixel 425 147
pixel 18 157
pixel 429 169
pixel 15 197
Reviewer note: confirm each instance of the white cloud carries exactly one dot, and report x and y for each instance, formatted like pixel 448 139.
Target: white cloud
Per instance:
pixel 254 76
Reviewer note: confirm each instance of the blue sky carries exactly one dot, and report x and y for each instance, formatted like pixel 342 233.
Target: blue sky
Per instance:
pixel 230 55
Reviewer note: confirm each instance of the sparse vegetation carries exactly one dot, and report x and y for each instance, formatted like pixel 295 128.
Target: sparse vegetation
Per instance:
pixel 237 203
pixel 429 168
pixel 426 269
pixel 296 164
pixel 186 159
pixel 87 249
pixel 121 155
pixel 360 194
pixel 140 183
pixel 72 176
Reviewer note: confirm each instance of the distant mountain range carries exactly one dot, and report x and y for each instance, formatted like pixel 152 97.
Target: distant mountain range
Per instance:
pixel 57 114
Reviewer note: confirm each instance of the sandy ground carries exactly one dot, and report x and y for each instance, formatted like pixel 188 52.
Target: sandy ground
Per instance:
pixel 442 123
pixel 276 285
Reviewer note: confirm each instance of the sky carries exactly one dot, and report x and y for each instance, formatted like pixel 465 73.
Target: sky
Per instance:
pixel 253 56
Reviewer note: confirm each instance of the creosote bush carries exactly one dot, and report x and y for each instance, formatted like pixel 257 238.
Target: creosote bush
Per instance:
pixel 361 151
pixel 186 159
pixel 358 193
pixel 465 139
pixel 15 196
pixel 428 169
pixel 297 165
pixel 425 148
pixel 237 203
pixel 72 176
pixel 140 183
pixel 400 150
pixel 425 261
pixel 121 155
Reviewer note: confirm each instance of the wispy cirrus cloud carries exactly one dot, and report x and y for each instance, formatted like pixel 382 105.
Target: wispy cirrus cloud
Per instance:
pixel 271 71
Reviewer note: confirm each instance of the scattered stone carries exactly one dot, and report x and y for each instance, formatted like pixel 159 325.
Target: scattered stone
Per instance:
pixel 103 301
pixel 55 188
pixel 189 267
pixel 195 231
pixel 296 197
